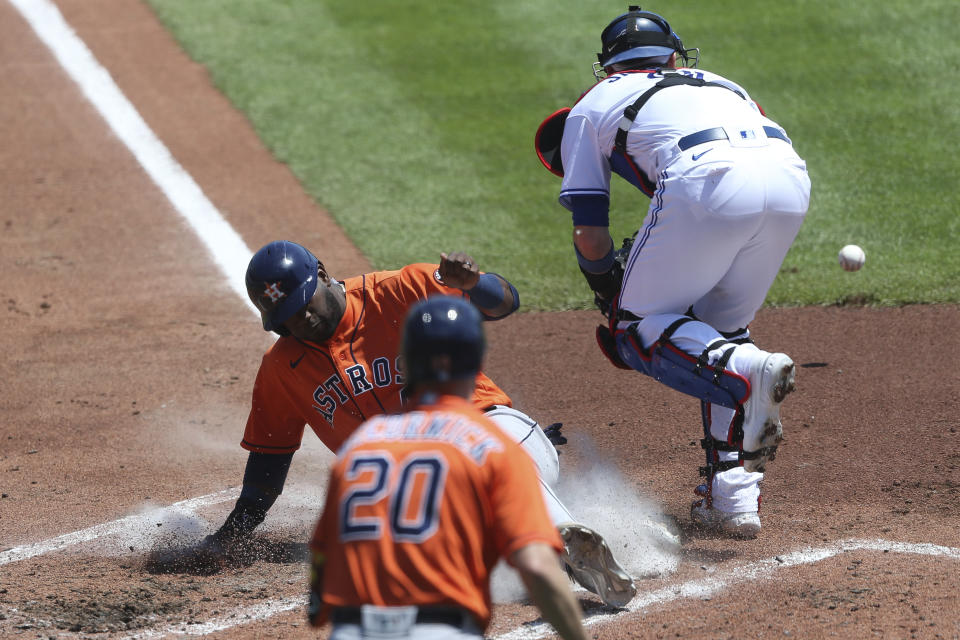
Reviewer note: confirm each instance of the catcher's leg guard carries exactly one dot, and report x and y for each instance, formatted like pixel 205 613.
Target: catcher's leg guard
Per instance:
pixel 706 376
pixel 694 376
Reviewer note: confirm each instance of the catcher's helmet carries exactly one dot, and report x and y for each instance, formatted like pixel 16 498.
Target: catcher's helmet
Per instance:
pixel 638 34
pixel 442 340
pixel 281 279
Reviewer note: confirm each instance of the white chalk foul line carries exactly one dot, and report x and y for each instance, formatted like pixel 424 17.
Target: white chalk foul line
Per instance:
pixel 707 587
pixel 699 589
pixel 109 528
pixel 224 244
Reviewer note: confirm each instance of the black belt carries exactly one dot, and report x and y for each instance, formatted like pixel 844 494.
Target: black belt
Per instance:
pixel 425 615
pixel 718 133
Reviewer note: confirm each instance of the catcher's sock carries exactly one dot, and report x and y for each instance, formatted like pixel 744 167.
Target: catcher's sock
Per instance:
pixel 736 490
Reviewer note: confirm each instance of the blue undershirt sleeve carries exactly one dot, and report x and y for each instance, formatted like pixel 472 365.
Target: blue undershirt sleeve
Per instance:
pixel 590 210
pixel 263 482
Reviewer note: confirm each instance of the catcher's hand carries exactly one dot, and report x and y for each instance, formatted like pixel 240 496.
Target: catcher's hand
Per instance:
pixel 207 557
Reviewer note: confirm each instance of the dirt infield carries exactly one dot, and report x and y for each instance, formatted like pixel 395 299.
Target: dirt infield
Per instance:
pixel 128 366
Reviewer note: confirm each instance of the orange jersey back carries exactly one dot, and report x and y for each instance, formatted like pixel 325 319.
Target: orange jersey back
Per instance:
pixel 353 376
pixel 421 505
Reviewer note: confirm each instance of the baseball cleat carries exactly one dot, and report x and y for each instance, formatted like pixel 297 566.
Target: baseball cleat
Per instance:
pixel 588 560
pixel 770 382
pixel 738 525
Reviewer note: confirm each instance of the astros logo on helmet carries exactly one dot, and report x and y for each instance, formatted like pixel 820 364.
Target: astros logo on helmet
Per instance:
pixel 273 292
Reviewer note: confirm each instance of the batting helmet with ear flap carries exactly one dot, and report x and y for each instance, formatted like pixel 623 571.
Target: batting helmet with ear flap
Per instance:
pixel 281 279
pixel 442 340
pixel 638 34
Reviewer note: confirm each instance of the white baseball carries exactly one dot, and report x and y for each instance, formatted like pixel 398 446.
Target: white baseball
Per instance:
pixel 851 257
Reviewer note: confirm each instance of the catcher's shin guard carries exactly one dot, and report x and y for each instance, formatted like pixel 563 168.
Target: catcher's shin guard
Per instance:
pixel 711 383
pixel 675 368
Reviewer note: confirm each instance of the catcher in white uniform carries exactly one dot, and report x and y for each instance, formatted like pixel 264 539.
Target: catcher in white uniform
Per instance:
pixel 728 196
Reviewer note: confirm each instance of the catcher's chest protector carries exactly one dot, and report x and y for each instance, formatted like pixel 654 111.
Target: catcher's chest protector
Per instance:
pixel 620 161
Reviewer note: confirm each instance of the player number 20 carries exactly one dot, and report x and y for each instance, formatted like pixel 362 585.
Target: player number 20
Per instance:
pixel 414 491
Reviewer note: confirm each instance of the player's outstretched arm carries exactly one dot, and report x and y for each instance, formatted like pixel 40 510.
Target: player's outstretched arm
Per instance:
pixel 263 482
pixel 549 589
pixel 491 293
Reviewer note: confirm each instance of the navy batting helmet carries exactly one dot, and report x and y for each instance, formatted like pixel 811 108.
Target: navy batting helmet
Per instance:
pixel 442 340
pixel 281 279
pixel 638 34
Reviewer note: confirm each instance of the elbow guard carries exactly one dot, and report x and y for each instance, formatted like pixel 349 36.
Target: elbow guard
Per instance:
pixel 489 294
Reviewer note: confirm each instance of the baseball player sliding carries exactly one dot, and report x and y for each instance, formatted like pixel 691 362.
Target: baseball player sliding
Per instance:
pixel 728 196
pixel 336 365
pixel 421 504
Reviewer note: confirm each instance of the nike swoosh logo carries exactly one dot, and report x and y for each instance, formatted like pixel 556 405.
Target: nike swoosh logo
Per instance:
pixel 697 156
pixel 294 363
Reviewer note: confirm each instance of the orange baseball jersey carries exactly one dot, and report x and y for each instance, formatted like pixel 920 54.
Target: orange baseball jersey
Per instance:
pixel 354 375
pixel 421 505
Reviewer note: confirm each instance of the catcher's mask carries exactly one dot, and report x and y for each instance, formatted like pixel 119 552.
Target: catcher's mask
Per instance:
pixel 281 279
pixel 640 34
pixel 442 340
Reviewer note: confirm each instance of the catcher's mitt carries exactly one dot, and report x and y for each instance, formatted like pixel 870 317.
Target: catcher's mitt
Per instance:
pixel 604 300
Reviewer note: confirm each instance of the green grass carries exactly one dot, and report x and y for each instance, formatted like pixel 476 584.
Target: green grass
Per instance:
pixel 412 122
